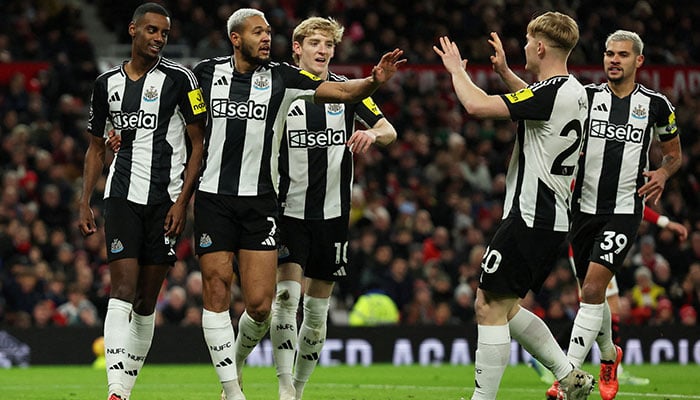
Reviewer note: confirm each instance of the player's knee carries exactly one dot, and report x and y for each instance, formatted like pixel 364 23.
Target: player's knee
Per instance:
pixel 593 292
pixel 259 314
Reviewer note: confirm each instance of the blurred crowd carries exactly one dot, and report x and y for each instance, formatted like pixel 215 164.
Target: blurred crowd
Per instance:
pixel 424 208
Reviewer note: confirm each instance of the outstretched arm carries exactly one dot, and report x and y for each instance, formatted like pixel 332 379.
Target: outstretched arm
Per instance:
pixel 473 98
pixel 354 90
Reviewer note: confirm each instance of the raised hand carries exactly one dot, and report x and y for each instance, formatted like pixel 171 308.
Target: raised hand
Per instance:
pixel 387 66
pixel 449 53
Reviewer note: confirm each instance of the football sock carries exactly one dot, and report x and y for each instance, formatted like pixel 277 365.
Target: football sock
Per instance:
pixel 604 338
pixel 283 329
pixel 312 335
pixel 250 332
pixel 219 337
pixel 587 324
pixel 535 337
pixel 116 336
pixel 140 338
pixel 492 354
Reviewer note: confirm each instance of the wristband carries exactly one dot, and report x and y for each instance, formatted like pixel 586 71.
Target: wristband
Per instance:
pixel 663 221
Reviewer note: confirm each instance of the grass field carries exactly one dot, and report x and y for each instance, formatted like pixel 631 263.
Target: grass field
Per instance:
pixel 378 382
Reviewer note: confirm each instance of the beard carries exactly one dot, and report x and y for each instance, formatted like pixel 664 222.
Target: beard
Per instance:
pixel 248 54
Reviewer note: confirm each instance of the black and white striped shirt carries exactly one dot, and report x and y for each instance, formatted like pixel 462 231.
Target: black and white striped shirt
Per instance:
pixel 616 150
pixel 551 116
pixel 316 167
pixel 150 114
pixel 246 121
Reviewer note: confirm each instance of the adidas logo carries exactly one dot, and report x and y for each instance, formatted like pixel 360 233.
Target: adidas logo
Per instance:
pixel 221 81
pixel 601 107
pixel 133 372
pixel 114 97
pixel 269 242
pixel 607 257
pixel 287 345
pixel 340 272
pixel 224 363
pixel 311 357
pixel 118 365
pixel 578 340
pixel 296 112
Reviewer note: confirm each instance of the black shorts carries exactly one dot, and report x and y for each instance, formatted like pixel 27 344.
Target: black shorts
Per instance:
pixel 319 246
pixel 604 239
pixel 519 258
pixel 136 231
pixel 232 223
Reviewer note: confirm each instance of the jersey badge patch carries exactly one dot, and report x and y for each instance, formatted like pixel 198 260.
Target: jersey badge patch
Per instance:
pixel 261 83
pixel 369 103
pixel 639 112
pixel 150 95
pixel 520 95
pixel 197 101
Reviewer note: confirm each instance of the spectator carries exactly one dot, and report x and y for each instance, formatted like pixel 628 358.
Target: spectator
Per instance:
pixel 78 310
pixel 645 295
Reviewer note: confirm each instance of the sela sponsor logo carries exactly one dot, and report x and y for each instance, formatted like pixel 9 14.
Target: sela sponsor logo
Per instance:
pixel 225 108
pixel 622 133
pixel 307 139
pixel 134 120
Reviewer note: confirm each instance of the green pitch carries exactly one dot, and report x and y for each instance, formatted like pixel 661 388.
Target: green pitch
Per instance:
pixel 378 382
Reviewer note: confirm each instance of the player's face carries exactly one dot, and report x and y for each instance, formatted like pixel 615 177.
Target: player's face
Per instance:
pixel 315 52
pixel 531 57
pixel 620 61
pixel 254 40
pixel 150 35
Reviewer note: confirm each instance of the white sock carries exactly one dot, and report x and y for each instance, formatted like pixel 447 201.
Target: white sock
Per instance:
pixel 604 338
pixel 250 332
pixel 140 339
pixel 586 327
pixel 535 337
pixel 312 336
pixel 219 337
pixel 116 336
pixel 283 329
pixel 492 354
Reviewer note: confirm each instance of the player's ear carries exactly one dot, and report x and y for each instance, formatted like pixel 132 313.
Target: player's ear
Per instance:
pixel 132 29
pixel 640 60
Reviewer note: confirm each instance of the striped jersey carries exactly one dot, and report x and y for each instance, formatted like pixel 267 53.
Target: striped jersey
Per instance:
pixel 150 114
pixel 616 150
pixel 551 116
pixel 315 166
pixel 246 121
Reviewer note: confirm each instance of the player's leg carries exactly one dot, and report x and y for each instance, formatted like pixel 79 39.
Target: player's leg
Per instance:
pixel 217 277
pixel 123 246
pixel 589 319
pixel 215 240
pixel 312 334
pixel 283 325
pixel 156 257
pixel 257 270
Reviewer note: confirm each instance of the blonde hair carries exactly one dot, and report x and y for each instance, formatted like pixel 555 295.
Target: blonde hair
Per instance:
pixel 559 29
pixel 626 36
pixel 327 27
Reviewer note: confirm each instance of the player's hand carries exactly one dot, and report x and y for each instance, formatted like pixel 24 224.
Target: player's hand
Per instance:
pixel 86 220
pixel 361 140
pixel 449 53
pixel 113 140
pixel 679 229
pixel 654 186
pixel 175 219
pixel 498 59
pixel 387 66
